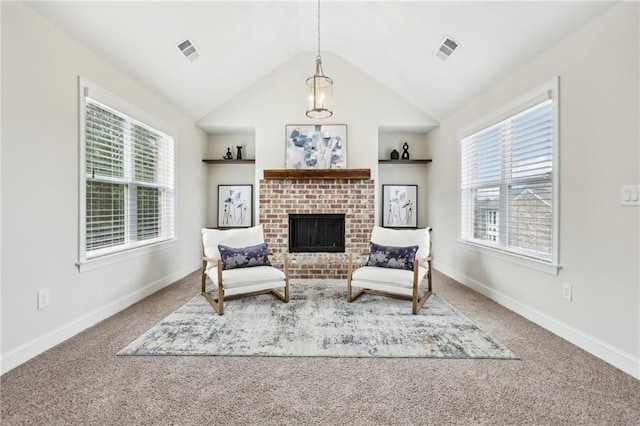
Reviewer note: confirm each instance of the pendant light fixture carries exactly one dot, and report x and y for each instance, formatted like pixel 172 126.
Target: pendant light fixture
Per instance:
pixel 319 88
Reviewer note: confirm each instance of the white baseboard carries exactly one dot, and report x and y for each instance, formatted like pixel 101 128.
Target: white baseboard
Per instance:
pixel 614 356
pixel 38 345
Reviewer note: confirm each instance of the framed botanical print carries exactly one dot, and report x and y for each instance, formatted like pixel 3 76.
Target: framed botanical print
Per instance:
pixel 400 206
pixel 235 206
pixel 319 146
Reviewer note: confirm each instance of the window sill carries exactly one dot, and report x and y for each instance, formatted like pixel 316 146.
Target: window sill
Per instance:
pixel 547 268
pixel 102 261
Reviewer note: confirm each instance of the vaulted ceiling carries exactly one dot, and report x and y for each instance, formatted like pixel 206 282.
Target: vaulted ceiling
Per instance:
pixel 391 41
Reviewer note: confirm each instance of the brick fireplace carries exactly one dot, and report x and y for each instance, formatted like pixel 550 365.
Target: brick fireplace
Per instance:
pixel 349 192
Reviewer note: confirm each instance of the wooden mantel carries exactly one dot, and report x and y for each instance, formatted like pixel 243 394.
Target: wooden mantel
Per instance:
pixel 317 174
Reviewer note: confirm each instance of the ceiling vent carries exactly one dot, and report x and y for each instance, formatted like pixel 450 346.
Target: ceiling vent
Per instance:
pixel 446 48
pixel 189 50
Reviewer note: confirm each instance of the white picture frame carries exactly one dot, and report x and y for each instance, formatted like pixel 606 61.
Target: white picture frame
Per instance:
pixel 235 206
pixel 400 206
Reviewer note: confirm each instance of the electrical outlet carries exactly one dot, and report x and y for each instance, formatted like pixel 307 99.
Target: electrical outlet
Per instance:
pixel 43 298
pixel 566 291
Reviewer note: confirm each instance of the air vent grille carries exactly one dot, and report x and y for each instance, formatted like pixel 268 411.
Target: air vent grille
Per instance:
pixel 446 48
pixel 189 50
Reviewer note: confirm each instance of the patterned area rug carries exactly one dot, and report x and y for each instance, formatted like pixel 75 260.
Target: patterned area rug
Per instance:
pixel 318 321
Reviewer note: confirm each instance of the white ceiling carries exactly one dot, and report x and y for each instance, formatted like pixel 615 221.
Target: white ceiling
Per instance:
pixel 391 41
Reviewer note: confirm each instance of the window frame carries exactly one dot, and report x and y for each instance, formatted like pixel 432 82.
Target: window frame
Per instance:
pixel 114 254
pixel 545 91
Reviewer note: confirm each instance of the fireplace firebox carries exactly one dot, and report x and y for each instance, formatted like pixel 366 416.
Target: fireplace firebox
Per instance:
pixel 312 233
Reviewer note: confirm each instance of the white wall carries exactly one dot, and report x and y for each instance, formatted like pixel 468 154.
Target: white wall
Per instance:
pixel 40 69
pixel 279 98
pixel 599 152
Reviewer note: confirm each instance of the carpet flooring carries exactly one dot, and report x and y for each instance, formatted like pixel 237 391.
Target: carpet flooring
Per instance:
pixel 318 321
pixel 83 382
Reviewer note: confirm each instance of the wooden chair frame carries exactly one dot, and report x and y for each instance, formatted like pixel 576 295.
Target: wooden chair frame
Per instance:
pixel 416 300
pixel 218 302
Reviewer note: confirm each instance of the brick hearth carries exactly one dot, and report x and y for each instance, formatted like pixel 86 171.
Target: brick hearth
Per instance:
pixel 353 197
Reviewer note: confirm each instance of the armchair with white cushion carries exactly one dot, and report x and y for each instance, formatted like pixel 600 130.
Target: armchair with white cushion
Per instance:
pixel 236 262
pixel 398 262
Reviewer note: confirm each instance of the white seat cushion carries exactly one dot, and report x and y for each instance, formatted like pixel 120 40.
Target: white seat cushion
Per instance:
pixel 248 280
pixel 240 277
pixel 387 276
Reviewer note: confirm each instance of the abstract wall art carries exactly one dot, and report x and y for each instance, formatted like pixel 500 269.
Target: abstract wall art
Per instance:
pixel 316 146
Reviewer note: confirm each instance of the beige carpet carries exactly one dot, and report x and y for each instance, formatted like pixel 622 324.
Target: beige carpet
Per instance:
pixel 83 382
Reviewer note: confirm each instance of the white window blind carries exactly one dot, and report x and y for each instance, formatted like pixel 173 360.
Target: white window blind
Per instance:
pixel 128 181
pixel 507 184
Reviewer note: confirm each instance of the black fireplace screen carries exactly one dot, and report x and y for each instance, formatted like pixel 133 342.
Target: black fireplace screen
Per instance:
pixel 316 233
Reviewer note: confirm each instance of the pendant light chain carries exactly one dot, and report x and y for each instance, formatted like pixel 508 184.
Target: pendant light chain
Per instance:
pixel 318 28
pixel 319 88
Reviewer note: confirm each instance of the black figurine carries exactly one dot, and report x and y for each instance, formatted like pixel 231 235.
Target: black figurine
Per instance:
pixel 239 154
pixel 395 154
pixel 228 155
pixel 405 153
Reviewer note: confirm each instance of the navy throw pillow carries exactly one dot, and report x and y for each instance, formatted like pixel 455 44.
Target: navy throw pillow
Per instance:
pixel 392 257
pixel 244 257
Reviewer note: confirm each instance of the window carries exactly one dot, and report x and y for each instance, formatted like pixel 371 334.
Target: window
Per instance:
pixel 127 176
pixel 491 225
pixel 507 178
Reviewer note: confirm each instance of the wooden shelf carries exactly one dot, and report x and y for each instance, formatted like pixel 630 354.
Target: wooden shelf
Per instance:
pixel 221 161
pixel 423 161
pixel 318 174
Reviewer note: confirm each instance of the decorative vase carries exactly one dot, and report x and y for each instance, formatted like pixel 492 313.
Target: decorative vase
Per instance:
pixel 228 155
pixel 395 154
pixel 239 154
pixel 405 152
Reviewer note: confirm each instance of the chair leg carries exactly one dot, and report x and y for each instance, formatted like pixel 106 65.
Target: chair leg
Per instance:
pixel 419 302
pixel 351 297
pixel 414 297
pixel 278 295
pixel 349 271
pixel 285 266
pixel 220 309
pixel 284 297
pixel 204 277
pixel 214 302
